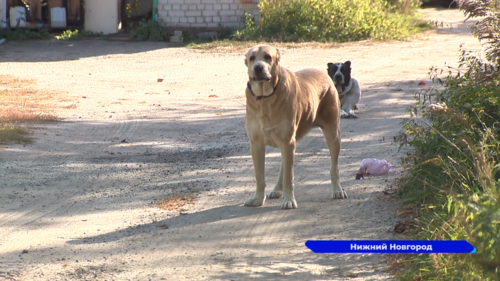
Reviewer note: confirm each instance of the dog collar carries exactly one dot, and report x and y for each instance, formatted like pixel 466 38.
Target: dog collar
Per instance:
pixel 261 97
pixel 341 95
pixel 346 89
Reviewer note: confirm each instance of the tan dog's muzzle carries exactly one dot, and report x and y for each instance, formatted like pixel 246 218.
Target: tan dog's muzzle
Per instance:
pixel 261 72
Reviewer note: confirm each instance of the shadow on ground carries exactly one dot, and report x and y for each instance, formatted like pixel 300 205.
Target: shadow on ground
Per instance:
pixel 72 50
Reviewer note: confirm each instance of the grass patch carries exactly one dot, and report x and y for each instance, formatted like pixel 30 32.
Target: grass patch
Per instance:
pixel 221 46
pixel 21 104
pixel 175 202
pixel 8 81
pixel 230 46
pixel 14 134
pixel 78 35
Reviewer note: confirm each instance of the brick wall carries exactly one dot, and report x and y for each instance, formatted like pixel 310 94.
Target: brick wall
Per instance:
pixel 206 13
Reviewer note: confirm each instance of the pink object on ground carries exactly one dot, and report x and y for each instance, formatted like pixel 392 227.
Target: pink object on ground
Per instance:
pixel 374 167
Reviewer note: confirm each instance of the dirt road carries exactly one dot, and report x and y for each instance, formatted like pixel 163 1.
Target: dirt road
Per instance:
pixel 78 204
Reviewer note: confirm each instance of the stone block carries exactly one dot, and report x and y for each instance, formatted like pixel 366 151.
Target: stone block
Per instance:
pixel 176 39
pixel 227 13
pixel 193 13
pixel 210 13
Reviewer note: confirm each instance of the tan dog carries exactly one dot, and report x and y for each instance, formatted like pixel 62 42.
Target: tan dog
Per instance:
pixel 282 107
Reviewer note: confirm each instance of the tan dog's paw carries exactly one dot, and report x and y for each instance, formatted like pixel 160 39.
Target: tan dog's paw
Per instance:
pixel 289 204
pixel 255 202
pixel 339 195
pixel 274 194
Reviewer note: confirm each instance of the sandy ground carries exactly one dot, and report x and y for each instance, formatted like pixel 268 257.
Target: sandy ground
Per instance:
pixel 78 204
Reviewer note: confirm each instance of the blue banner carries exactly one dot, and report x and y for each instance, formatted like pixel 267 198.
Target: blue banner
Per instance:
pixel 389 246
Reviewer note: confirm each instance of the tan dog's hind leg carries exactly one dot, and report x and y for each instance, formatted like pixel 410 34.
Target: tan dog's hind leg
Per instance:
pixel 277 192
pixel 287 158
pixel 258 156
pixel 332 138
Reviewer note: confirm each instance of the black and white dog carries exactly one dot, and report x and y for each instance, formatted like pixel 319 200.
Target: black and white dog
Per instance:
pixel 347 87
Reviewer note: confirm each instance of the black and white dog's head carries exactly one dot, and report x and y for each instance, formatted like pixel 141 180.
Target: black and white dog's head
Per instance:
pixel 340 74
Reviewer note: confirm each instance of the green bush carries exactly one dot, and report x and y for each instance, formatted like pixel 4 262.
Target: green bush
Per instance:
pixel 454 184
pixel 149 30
pixel 328 20
pixel 454 181
pixel 25 33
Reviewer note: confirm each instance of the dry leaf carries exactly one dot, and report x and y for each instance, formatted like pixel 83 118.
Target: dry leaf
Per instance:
pixel 400 227
pixel 390 191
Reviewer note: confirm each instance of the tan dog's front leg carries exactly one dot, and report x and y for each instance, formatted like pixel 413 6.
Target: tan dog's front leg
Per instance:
pixel 332 138
pixel 287 158
pixel 258 149
pixel 277 192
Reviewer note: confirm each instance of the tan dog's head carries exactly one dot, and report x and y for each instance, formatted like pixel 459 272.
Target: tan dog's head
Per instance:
pixel 262 62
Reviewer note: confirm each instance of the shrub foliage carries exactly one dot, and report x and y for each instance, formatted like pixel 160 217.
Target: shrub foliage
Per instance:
pixel 455 177
pixel 25 33
pixel 330 20
pixel 149 30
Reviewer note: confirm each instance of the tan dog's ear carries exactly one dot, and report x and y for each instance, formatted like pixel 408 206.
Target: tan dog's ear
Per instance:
pixel 246 57
pixel 278 55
